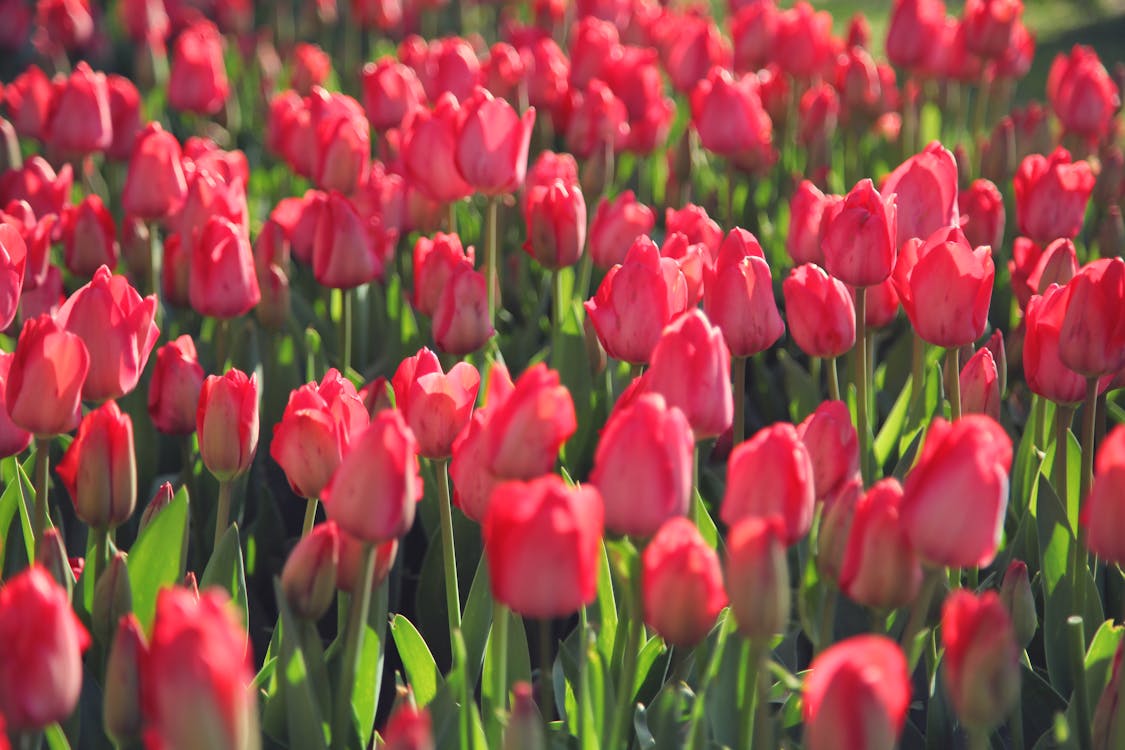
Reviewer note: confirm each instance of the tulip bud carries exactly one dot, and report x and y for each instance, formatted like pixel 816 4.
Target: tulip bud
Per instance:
pixel 525 432
pixel 757 577
pixel 1018 599
pixel 820 312
pixel 525 725
pixel 998 153
pixel 617 223
pixel 806 209
pixel 728 115
pixel 1092 337
pixel 1082 94
pixel 223 281
pixel 835 528
pixel 435 262
pixel 691 369
pixel 227 423
pixel 391 91
pixel 99 469
pixel 1111 233
pixel 177 380
pixel 982 670
pixel 436 405
pixel 461 321
pixel 308 579
pixel 1104 503
pixel 409 728
pixel 351 560
pixel 859 236
pixel 51 556
pixel 739 296
pixel 161 500
pixel 682 584
pixel 155 186
pixel 198 79
pixel 45 378
pixel 1109 716
pixel 982 209
pixel 880 568
pixel 113 598
pixel 771 475
pixel 122 702
pixel 980 385
pixel 556 224
pixel 833 446
pixel 13 440
pixel 1051 195
pixel 492 143
pixel 80 120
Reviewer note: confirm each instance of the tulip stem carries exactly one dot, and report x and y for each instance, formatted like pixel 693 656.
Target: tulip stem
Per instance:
pixel 101 544
pixel 1076 638
pixel 451 217
pixel 739 377
pixel 861 380
pixel 153 258
pixel 635 612
pixel 347 332
pixel 546 669
pixel 833 380
pixel 42 481
pixel 310 516
pixel 917 372
pixel 1015 725
pixel 353 645
pixel 918 614
pixel 953 381
pixel 448 552
pixel 584 704
pixel 1089 426
pixel 695 725
pixel 1064 415
pixel 732 177
pixel 491 242
pixel 559 310
pixel 978 739
pixel 752 653
pixel 222 513
pixel 499 646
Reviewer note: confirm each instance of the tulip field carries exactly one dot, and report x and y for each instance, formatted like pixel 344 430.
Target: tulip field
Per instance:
pixel 548 375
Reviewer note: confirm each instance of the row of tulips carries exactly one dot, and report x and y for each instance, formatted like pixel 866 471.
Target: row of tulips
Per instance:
pixel 725 538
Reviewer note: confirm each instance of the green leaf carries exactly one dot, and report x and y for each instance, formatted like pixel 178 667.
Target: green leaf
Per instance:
pixel 56 738
pixel 707 528
pixel 603 612
pixel 888 438
pixel 421 671
pixel 804 395
pixel 304 720
pixel 157 557
pixel 369 671
pixel 225 569
pixel 477 620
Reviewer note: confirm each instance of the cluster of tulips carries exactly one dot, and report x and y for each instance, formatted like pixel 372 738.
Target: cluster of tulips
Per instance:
pixel 654 482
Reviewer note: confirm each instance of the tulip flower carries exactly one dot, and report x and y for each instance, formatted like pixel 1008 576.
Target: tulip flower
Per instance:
pixel 771 475
pixel 343 148
pixel 594 45
pixel 41 645
pixel 308 579
pixel 29 97
pixel 856 695
pixel 1092 336
pixel 13 440
pixel 833 447
pixel 753 29
pixel 693 222
pixel 806 209
pixel 835 528
pixel 119 331
pixel 391 91
pixel 803 44
pixel 555 215
pixel 691 369
pixel 223 283
pixel 1102 509
pixel 122 704
pixel 99 469
pixel 989 26
pixel 461 322
pixel 597 120
pixel 155 186
pixel 1044 370
pixel 37 183
pixel 13 269
pixel 925 189
pixel 345 254
pixel 617 224
pixel 982 668
pixel 1051 195
pixel 1108 728
pixel 955 497
pixel 1019 600
pixel 757 576
pixel 89 237
pixel 980 385
pixel 730 119
pixel 682 584
pixel 492 143
pixel 227 423
pixel 436 405
pixel 858 236
pixel 820 312
pixel 1081 93
pixel 45 378
pixel 198 79
pixel 696 48
pixel 542 541
pixel 351 556
pixel 428 151
pixel 738 296
pixel 982 210
pixel 375 489
pixel 525 432
pixel 80 121
pixel 880 568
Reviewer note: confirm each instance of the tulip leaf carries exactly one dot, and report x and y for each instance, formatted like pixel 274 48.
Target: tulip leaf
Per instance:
pixel 26 505
pixel 939 713
pixel 369 671
pixel 889 434
pixel 304 720
pixel 55 738
pixel 156 558
pixel 225 569
pixel 1097 669
pixel 10 508
pixel 804 394
pixel 476 620
pixel 421 670
pixel 703 521
pixel 603 611
pixel 1038 703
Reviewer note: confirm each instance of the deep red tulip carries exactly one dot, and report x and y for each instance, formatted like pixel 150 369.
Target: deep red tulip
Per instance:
pixel 738 296
pixel 80 118
pixel 13 269
pixel 435 261
pixel 408 728
pixel 227 423
pixel 990 26
pixel 391 91
pixel 835 527
pixel 223 281
pixel 806 209
pixel 925 188
pixel 198 79
pixel 556 224
pixel 492 143
pixel 436 405
pixel 472 487
pixel 833 446
pixel 461 319
pixel 820 312
pixel 1051 195
pixel 45 379
pixel 982 664
pixel 683 584
pixel 345 255
pixel 99 469
pixel 880 569
pixel 771 475
pixel 858 237
pixel 1082 94
pixel 177 380
pixel 1092 336
pixel 730 119
pixel 13 440
pixel 525 432
pixel 617 224
pixel 30 97
pixel 691 369
pixel 981 208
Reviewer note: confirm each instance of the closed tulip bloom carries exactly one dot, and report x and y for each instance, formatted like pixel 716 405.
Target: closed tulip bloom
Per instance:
pixel 818 113
pixel 223 281
pixel 373 493
pixel 80 121
pixel 315 432
pixel 925 188
pixel 1081 93
pixel 492 144
pixel 198 78
pixel 461 322
pixel 13 270
pixel 37 183
pixel 803 45
pixel 29 97
pixel 989 25
pixel 408 728
pixel 1043 368
pixel 343 147
pixel 682 584
pixel 643 466
pixel 428 151
pixel 835 528
pixel 753 29
pixel 730 119
pixel 738 296
pixel 955 497
pixel 691 369
pixel 435 261
pixel 833 445
pixel 856 695
pixel 1092 337
pixel 198 656
pixel 436 405
pixel 125 111
pixel 13 440
pixel 310 67
pixel 89 237
pixel 946 292
pixel 597 120
pixel 99 469
pixel 617 224
pixel 859 236
pixel 173 392
pixel 44 384
pixel 542 540
pixel 155 186
pixel 771 475
pixel 980 385
pixel 344 253
pixel 982 669
pixel 757 576
pixel 982 210
pixel 348 571
pixel 41 645
pixel 122 705
pixel 635 301
pixel 806 209
pixel 1051 195
pixel 880 568
pixel 556 224
pixel 472 487
pixel 525 433
pixel 1103 510
pixel 308 579
pixel 227 423
pixel 391 91
pixel 548 167
pixel 820 312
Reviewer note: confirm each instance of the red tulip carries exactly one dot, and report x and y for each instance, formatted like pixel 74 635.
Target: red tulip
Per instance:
pixel 198 79
pixel 461 321
pixel 30 97
pixel 856 695
pixel 982 211
pixel 13 269
pixel 982 666
pixel 315 432
pixel 343 147
pixel 428 151
pixel 833 446
pixel 806 209
pixel 925 189
pixel 956 495
pixel 408 728
pixel 524 434
pixel 351 557
pixel 311 66
pixel 693 222
pixel 556 224
pixel 145 21
pixel 989 26
pixel 373 493
pixel 1103 509
pixel 41 655
pixel 1046 374
pixel 452 66
pixel 682 584
pixel 1051 195
pixel 13 440
pixel 345 254
pixel 36 182
pixel 391 92
pixel 880 569
pixel 594 46
pixel 308 579
pixel 504 71
pixel 542 539
pixel 227 423
pixel 771 475
pixel 757 576
pixel 617 224
pixel 691 369
pixel 80 120
pixel 436 405
pixel 155 186
pixel 980 385
pixel 820 312
pixel 1082 94
pixel 730 119
pixel 695 48
pixel 198 656
pixel 739 297
pixel 45 379
pixel 99 469
pixel 472 486
pixel 818 114
pixel 753 30
pixel 492 143
pixel 547 168
pixel 835 528
pixel 1092 336
pixel 223 281
pixel 635 301
pixel 913 26
pixel 859 236
pixel 89 236
pixel 803 44
pixel 860 87
pixel 177 379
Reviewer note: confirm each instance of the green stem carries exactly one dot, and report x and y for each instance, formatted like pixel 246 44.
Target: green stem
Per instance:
pixel 584 704
pixel 154 259
pixel 353 645
pixel 1089 424
pixel 101 544
pixel 635 612
pixel 980 109
pixel 493 252
pixel 833 380
pixel 310 516
pixel 347 332
pixel 752 654
pixel 827 617
pixel 1015 725
pixel 559 309
pixel 953 381
pixel 739 378
pixel 695 723
pixel 222 343
pixel 978 739
pixel 918 614
pixel 1064 415
pixel 448 553
pixel 1041 422
pixel 1076 640
pixel 42 483
pixel 861 380
pixel 222 513
pixel 451 217
pixel 546 670
pixel 917 372
pixel 499 646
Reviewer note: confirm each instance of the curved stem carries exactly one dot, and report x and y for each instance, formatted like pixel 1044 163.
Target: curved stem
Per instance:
pixel 953 381
pixel 42 483
pixel 222 513
pixel 353 645
pixel 833 380
pixel 861 380
pixel 739 380
pixel 310 516
pixel 448 553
